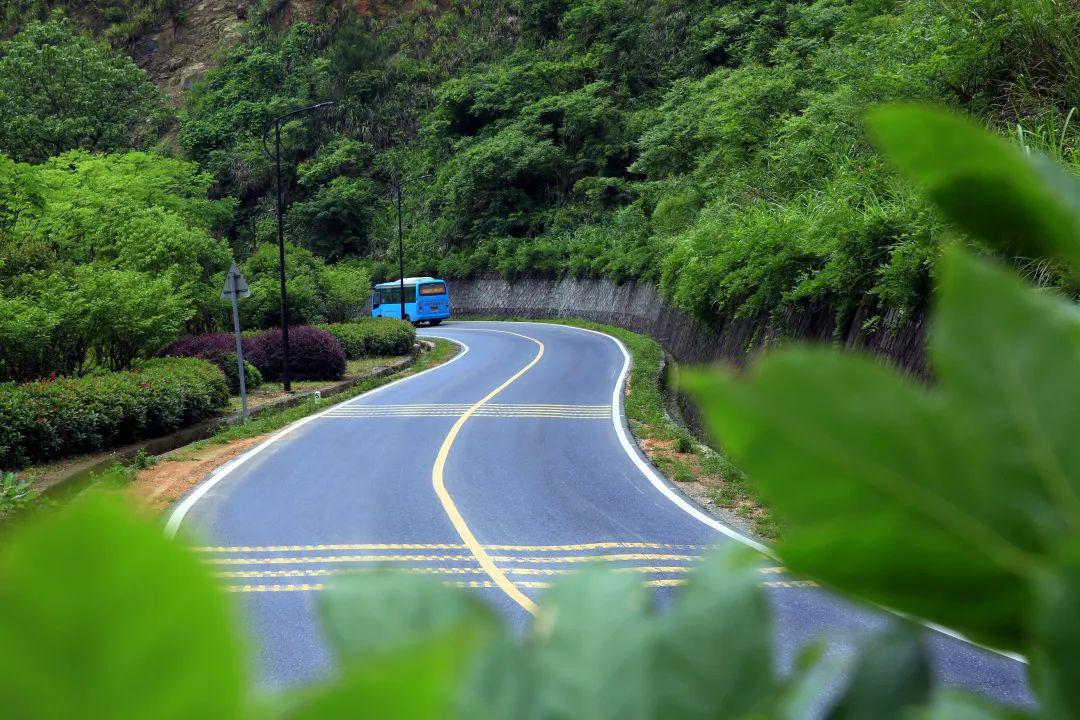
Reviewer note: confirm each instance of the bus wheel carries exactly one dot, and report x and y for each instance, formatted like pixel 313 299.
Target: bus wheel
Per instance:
pixel 435 323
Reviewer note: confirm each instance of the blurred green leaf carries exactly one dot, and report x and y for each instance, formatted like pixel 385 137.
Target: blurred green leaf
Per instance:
pixel 368 615
pixel 892 677
pixel 714 649
pixel 503 685
pixel 1027 206
pixel 954 705
pixel 417 683
pixel 1055 663
pixel 1009 360
pixel 809 688
pixel 592 648
pixel 876 485
pixel 102 617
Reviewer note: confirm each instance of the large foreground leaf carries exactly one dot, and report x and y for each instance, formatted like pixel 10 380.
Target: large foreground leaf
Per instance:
pixel 713 650
pixel 102 617
pixel 1027 206
pixel 1008 359
pixel 591 648
pixel 876 481
pixel 891 678
pixel 1056 624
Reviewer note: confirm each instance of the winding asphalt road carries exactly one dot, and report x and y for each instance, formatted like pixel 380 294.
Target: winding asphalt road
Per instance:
pixel 500 470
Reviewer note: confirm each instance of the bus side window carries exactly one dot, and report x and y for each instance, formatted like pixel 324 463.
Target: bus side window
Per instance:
pixel 410 294
pixel 376 299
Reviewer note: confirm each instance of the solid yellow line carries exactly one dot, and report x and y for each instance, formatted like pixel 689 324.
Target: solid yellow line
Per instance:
pixel 439 483
pixel 448 546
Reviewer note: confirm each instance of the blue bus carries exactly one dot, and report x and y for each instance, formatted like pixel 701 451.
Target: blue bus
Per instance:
pixel 427 299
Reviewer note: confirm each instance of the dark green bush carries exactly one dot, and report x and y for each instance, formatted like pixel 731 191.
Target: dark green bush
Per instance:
pixel 373 337
pixel 252 377
pixel 43 421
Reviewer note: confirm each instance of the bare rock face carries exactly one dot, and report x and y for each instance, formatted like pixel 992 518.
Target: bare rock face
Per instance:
pixel 180 53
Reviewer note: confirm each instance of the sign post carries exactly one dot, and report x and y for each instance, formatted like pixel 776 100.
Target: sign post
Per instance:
pixel 236 287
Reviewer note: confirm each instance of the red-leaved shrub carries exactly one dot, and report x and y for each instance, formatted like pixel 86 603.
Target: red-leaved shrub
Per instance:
pixel 313 354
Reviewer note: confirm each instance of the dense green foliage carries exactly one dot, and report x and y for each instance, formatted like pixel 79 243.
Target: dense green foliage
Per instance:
pixel 979 474
pixel 713 148
pixel 118 21
pixel 108 254
pixel 44 421
pixel 373 337
pixel 61 90
pixel 316 292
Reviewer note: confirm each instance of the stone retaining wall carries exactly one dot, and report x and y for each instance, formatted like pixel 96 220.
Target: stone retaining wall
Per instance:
pixel 639 307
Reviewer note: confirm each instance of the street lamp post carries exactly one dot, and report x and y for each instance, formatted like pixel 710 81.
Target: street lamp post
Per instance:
pixel 286 381
pixel 398 185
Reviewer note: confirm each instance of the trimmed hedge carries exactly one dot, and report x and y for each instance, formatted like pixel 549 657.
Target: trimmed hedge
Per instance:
pixel 313 354
pixel 220 349
pixel 373 337
pixel 252 377
pixel 44 421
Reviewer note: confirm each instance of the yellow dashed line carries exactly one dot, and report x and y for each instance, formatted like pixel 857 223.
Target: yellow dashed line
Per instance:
pixel 447 546
pixel 619 557
pixel 315 587
pixel 463 557
pixel 527 584
pixel 790 584
pixel 244 574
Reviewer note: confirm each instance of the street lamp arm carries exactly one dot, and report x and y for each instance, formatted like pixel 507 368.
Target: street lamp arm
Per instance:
pixel 281 118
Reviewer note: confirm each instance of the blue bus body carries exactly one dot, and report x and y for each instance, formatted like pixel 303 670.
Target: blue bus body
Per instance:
pixel 427 299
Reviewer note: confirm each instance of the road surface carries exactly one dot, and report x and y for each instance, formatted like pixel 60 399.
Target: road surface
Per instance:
pixel 498 471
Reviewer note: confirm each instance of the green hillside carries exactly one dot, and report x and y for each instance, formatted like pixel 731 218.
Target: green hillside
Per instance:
pixel 714 149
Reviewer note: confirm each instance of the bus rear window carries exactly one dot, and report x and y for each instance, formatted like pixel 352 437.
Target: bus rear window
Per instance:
pixel 433 289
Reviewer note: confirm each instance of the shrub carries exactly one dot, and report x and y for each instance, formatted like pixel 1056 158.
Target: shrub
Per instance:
pixel 202 345
pixel 220 349
pixel 252 377
pixel 373 337
pixel 43 421
pixel 314 354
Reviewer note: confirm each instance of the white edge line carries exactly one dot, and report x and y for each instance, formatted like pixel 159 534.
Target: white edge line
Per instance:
pixel 659 484
pixel 647 469
pixel 172 527
pixel 630 448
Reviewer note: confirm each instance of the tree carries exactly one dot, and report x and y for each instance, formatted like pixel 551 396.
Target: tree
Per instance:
pixel 60 89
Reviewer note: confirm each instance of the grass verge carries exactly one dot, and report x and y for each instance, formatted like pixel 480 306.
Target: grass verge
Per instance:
pixel 703 472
